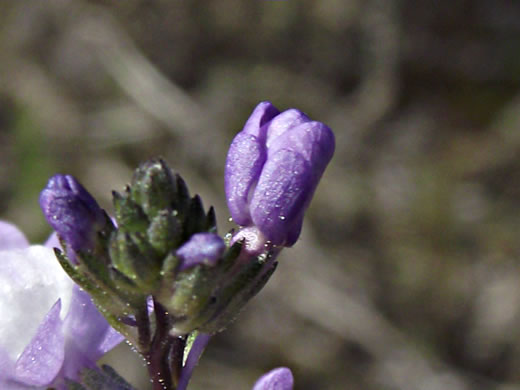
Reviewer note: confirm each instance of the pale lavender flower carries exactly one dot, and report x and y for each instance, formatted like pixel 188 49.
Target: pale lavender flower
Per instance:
pixel 278 379
pixel 273 167
pixel 49 328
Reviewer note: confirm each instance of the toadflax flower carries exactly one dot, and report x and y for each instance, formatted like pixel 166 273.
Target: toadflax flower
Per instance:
pixel 273 167
pixel 49 328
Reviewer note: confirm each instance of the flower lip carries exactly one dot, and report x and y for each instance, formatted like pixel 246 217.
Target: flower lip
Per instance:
pixel 263 113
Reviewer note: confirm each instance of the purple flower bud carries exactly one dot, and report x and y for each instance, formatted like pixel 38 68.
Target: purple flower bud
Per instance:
pixel 273 167
pixel 71 211
pixel 278 379
pixel 201 248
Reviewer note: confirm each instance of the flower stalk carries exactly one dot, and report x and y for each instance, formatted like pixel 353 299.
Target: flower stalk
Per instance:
pixel 160 273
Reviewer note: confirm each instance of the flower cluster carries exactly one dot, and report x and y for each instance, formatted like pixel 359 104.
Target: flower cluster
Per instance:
pixel 158 271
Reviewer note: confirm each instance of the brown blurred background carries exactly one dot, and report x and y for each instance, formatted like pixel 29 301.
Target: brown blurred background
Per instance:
pixel 407 274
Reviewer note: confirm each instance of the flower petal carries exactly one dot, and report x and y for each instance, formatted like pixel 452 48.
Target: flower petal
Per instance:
pixel 244 163
pixel 278 379
pixel 31 281
pixel 6 367
pixel 53 241
pixel 262 114
pixel 283 122
pixel 87 331
pixel 11 237
pixel 42 359
pixel 281 195
pixel 313 140
pixel 202 248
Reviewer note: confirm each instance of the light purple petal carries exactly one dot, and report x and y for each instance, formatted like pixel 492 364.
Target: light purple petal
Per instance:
pixel 313 140
pixel 87 330
pixel 6 384
pixel 88 336
pixel 244 163
pixel 111 339
pixel 53 241
pixel 288 119
pixel 6 366
pixel 202 248
pixel 42 359
pixel 262 114
pixel 31 281
pixel 11 237
pixel 278 379
pixel 281 195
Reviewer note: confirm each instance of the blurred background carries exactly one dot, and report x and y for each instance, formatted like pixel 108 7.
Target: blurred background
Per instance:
pixel 407 274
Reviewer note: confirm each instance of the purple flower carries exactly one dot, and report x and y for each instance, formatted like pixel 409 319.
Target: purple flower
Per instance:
pixel 273 167
pixel 201 248
pixel 278 379
pixel 71 211
pixel 49 328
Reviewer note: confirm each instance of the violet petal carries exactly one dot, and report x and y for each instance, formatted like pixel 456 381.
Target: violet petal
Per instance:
pixel 313 140
pixel 278 379
pixel 261 115
pixel 281 195
pixel 88 333
pixel 244 163
pixel 287 120
pixel 201 248
pixel 11 237
pixel 42 359
pixel 6 367
pixel 53 241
